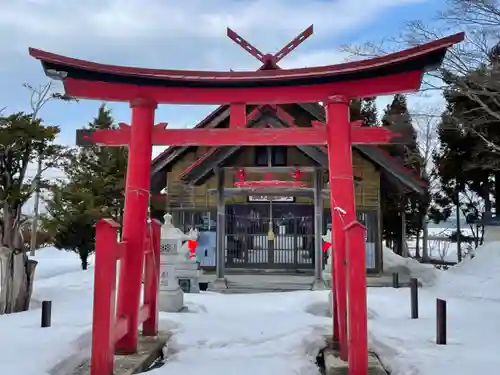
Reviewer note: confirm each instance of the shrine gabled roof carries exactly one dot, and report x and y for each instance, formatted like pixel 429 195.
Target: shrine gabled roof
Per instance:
pixel 202 168
pixel 394 167
pixel 421 58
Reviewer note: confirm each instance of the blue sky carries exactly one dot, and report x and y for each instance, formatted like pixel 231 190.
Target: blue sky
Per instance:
pixel 187 34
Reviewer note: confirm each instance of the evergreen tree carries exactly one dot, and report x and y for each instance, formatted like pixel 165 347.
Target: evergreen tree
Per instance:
pixel 365 110
pixel 94 189
pixel 369 112
pixel 470 131
pixel 355 110
pixel 397 113
pixel 23 139
pixel 468 163
pixel 394 203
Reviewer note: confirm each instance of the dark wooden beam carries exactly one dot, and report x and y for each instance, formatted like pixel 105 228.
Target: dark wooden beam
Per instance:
pixel 221 225
pixel 399 174
pixel 206 166
pixel 211 121
pixel 402 178
pixel 318 224
pixel 265 118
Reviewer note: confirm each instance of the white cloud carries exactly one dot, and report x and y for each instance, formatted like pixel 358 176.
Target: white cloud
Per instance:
pixel 165 32
pixel 189 34
pixel 177 34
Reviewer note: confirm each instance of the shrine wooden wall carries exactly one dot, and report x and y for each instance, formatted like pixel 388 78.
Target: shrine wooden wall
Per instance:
pixel 182 196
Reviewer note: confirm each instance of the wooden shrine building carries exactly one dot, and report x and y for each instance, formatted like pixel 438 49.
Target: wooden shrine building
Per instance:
pixel 271 227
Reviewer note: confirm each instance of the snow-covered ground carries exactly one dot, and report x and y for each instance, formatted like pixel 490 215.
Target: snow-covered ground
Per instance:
pixel 407 347
pixel 53 262
pixel 278 333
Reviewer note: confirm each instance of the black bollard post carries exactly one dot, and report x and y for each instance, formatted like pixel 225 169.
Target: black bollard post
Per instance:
pixel 46 313
pixel 440 322
pixel 414 297
pixel 395 280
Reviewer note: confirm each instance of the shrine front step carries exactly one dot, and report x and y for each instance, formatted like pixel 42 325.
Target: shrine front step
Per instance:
pixel 255 291
pixel 266 283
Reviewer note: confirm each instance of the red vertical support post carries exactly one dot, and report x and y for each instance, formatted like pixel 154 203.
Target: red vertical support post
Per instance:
pixel 341 201
pixel 152 282
pixel 237 115
pixel 134 219
pixel 335 315
pixel 103 320
pixel 356 284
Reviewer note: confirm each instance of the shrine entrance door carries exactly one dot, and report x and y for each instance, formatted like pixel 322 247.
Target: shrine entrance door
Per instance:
pixel 270 233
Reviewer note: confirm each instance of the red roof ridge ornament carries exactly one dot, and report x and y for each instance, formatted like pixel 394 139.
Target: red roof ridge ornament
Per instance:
pixel 269 60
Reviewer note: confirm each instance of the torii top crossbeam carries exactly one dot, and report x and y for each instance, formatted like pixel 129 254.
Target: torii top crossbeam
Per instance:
pixel 397 72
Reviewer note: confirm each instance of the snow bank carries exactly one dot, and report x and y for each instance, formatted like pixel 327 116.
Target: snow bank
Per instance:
pixel 223 334
pixel 476 277
pixel 57 349
pixel 53 262
pixel 427 274
pixel 407 346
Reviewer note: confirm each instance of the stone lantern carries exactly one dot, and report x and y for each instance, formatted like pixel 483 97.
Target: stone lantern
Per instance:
pixel 327 268
pixel 175 252
pixel 171 295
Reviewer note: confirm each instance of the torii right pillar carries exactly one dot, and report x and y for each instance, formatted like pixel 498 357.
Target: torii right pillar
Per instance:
pixel 349 294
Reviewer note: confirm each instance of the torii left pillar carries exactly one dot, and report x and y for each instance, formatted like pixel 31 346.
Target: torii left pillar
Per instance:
pixel 137 191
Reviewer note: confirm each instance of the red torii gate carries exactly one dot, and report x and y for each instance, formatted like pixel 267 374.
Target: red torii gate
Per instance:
pixel 334 85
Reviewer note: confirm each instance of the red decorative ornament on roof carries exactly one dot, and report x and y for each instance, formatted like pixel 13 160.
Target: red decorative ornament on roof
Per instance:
pixel 269 181
pixel 241 175
pixel 297 175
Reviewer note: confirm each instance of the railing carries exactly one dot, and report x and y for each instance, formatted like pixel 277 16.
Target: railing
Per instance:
pixel 107 327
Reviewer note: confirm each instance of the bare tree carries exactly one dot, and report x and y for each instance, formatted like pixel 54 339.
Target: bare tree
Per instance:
pixel 426 121
pixel 462 68
pixel 472 205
